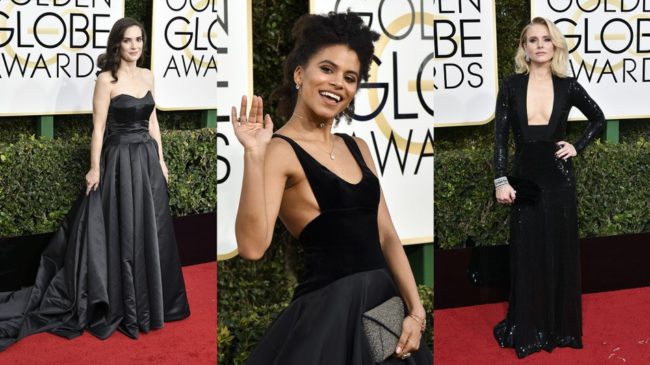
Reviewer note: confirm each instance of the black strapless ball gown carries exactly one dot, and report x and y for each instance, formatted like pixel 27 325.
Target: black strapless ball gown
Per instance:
pixel 113 263
pixel 345 276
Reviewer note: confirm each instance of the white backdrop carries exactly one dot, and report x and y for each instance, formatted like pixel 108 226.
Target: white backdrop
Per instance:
pixel 184 52
pixel 235 78
pixel 400 93
pixel 610 51
pixel 465 62
pixel 47 64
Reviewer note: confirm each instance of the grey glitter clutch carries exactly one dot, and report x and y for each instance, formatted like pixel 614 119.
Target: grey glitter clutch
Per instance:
pixel 383 326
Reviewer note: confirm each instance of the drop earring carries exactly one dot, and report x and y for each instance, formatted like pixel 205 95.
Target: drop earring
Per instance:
pixel 526 58
pixel 297 87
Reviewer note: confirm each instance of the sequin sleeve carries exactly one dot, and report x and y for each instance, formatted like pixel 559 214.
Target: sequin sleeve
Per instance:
pixel 501 129
pixel 596 119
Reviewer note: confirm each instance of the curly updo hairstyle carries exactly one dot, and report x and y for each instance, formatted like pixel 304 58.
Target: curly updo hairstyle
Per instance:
pixel 311 33
pixel 110 60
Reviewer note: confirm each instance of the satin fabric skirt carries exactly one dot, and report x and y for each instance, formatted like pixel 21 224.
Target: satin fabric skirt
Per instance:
pixel 113 263
pixel 544 309
pixel 323 327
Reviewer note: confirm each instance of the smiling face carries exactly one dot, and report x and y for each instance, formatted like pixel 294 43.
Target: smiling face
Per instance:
pixel 131 44
pixel 328 82
pixel 539 44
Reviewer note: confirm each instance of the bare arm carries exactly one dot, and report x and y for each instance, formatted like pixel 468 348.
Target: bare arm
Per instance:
pixel 263 182
pixel 101 101
pixel 399 266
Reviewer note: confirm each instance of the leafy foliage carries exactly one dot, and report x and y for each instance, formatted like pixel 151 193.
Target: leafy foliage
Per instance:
pixel 612 194
pixel 39 179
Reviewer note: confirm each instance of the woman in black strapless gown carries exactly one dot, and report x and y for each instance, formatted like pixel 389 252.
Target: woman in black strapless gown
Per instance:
pixel 324 188
pixel 113 263
pixel 544 309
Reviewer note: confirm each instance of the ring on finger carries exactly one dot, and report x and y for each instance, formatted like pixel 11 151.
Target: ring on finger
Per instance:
pixel 405 355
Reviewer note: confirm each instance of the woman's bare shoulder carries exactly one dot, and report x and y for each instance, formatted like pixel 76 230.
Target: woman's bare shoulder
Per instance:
pixel 104 77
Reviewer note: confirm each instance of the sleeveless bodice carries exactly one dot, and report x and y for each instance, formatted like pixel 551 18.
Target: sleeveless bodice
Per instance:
pixel 344 238
pixel 128 114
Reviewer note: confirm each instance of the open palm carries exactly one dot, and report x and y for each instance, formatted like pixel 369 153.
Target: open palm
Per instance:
pixel 255 130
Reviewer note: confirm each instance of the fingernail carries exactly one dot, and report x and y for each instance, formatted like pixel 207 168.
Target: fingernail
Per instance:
pixel 398 350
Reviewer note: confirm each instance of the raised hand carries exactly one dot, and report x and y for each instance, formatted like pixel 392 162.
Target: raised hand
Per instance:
pixel 256 129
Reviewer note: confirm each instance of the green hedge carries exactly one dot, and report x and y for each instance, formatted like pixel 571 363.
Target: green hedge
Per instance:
pixel 39 179
pixel 612 192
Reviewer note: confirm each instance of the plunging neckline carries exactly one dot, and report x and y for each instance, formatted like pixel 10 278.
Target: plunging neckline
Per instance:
pixel 363 175
pixel 550 117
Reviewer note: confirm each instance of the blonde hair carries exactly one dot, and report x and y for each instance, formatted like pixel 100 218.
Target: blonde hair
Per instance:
pixel 560 60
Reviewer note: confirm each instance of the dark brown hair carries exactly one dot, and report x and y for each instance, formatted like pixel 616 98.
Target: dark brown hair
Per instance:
pixel 110 60
pixel 311 33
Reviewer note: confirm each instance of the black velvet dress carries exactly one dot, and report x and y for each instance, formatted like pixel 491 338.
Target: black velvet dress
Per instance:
pixel 345 276
pixel 113 263
pixel 544 307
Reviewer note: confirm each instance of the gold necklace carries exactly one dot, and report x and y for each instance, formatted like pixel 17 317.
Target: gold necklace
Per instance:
pixel 331 152
pixel 321 125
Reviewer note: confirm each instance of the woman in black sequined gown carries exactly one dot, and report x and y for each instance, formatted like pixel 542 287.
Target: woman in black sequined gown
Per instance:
pixel 544 307
pixel 324 188
pixel 113 264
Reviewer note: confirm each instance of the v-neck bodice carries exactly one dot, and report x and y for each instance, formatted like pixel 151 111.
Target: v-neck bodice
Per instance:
pixel 512 114
pixel 344 238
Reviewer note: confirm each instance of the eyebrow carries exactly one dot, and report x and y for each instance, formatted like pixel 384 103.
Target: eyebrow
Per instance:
pixel 337 66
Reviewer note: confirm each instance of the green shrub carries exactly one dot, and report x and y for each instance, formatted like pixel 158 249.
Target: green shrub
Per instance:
pixel 612 194
pixel 39 179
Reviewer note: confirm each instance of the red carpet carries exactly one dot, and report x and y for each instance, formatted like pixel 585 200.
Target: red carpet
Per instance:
pixel 616 330
pixel 190 341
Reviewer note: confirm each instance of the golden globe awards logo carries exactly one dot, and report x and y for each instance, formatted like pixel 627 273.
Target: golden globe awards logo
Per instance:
pixel 52 39
pixel 49 51
pixel 607 47
pixel 184 53
pixel 192 34
pixel 458 37
pixel 464 48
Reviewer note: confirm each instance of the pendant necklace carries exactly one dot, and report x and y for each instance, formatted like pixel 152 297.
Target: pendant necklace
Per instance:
pixel 322 125
pixel 331 152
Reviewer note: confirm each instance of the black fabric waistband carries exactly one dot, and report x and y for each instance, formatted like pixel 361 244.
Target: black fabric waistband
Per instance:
pixel 125 138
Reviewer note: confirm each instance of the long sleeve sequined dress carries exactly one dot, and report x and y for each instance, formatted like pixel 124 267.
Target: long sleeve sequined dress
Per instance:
pixel 544 309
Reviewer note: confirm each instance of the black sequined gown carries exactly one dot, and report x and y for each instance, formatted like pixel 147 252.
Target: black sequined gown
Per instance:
pixel 544 308
pixel 345 276
pixel 113 263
